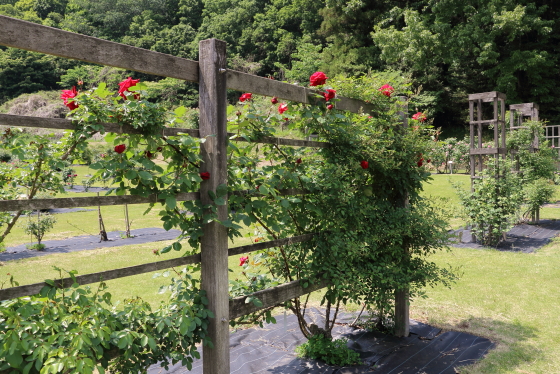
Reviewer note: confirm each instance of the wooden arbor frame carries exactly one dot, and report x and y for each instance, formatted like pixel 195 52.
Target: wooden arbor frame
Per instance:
pixel 477 152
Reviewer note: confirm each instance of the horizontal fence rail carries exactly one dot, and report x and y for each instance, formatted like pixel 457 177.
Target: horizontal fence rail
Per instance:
pixel 239 306
pixel 38 38
pixel 79 202
pixel 66 124
pixel 33 289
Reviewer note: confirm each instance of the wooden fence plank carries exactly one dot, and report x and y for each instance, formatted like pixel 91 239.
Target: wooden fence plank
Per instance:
pixel 66 124
pixel 272 296
pixel 488 151
pixel 214 241
pixel 38 38
pixel 270 244
pixel 79 202
pixel 32 289
pixel 244 82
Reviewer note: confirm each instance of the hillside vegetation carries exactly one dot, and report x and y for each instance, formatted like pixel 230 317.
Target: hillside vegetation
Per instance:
pixel 448 48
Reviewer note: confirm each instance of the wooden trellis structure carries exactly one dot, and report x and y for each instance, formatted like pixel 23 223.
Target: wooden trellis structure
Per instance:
pixel 477 151
pixel 214 79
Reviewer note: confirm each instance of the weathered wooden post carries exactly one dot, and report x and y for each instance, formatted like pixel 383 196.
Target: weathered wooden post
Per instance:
pixel 402 302
pixel 214 245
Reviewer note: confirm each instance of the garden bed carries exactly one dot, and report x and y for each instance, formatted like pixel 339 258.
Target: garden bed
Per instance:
pixel 271 350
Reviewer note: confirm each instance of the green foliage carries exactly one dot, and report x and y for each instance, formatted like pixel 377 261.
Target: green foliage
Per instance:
pixel 333 352
pixel 39 227
pixel 78 330
pixel 492 207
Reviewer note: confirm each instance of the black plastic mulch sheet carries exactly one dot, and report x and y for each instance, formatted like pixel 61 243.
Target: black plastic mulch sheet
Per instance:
pixel 271 350
pixel 521 238
pixel 88 242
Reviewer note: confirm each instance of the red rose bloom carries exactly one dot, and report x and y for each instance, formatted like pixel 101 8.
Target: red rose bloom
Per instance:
pixel 386 90
pixel 205 175
pixel 330 106
pixel 69 94
pixel 298 161
pixel 246 97
pixel 419 117
pixel 149 154
pixel 274 100
pixel 329 94
pixel 420 162
pixel 243 260
pixel 125 85
pixel 282 108
pixel 120 148
pixel 364 164
pixel 317 79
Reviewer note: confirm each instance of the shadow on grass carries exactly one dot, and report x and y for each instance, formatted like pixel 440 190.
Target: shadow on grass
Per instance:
pixel 512 348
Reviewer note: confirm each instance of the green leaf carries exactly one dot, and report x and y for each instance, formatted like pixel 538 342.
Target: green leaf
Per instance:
pixel 180 111
pixel 145 175
pixel 131 174
pixel 171 202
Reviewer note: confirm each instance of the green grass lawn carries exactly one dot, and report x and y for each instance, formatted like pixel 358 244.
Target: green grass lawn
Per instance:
pixel 511 298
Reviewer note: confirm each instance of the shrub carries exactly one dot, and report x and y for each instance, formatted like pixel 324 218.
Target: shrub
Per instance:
pixel 493 205
pixel 333 352
pixel 39 227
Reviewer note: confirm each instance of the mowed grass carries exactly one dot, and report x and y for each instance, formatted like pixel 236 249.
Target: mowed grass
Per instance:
pixel 511 298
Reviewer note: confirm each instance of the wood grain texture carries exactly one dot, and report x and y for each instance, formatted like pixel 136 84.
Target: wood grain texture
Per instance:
pixel 214 242
pixel 32 289
pixel 488 151
pixel 244 82
pixel 270 244
pixel 487 96
pixel 38 38
pixel 80 202
pixel 273 296
pixel 66 124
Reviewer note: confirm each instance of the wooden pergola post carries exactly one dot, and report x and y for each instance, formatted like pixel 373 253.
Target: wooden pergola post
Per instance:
pixel 477 152
pixel 402 302
pixel 214 245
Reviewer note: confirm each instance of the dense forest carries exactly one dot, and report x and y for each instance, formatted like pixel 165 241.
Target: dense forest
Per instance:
pixel 446 48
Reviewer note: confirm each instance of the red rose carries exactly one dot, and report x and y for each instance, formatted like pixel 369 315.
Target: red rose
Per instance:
pixel 419 117
pixel 69 94
pixel 159 149
pixel 282 108
pixel 428 161
pixel 317 79
pixel 420 162
pixel 243 260
pixel 298 161
pixel 149 154
pixel 120 148
pixel 246 97
pixel 329 94
pixel 364 164
pixel 274 100
pixel 125 85
pixel 205 175
pixel 330 106
pixel 386 90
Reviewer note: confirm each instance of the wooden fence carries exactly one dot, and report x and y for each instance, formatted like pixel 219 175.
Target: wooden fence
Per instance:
pixel 214 79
